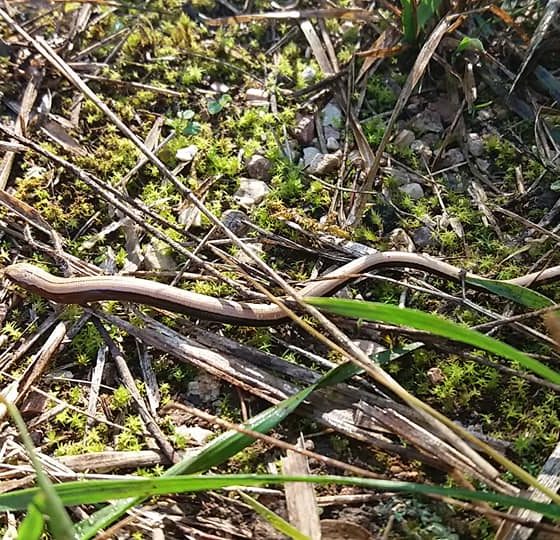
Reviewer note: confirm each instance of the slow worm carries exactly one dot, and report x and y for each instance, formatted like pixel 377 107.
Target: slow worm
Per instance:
pixel 82 290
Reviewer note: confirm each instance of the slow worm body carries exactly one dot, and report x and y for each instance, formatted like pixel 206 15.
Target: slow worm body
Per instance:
pixel 82 290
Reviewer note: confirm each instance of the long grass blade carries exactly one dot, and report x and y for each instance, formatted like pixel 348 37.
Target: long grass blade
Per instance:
pixel 95 491
pixel 413 318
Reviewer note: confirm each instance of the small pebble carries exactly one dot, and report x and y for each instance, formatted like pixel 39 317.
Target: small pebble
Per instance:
pixel 482 164
pixel 186 154
pixel 413 190
pixel 427 121
pixel 332 116
pixel 156 257
pixel 235 221
pixel 452 157
pixel 332 144
pixel 309 154
pixel 422 149
pixel 251 192
pixel 194 433
pixel 205 388
pixel 422 237
pixel 258 167
pixel 404 139
pixel 308 75
pixel 323 164
pixel 329 131
pixel 475 144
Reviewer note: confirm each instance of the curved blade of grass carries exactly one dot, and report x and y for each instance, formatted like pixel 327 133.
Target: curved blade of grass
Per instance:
pixel 413 318
pixel 515 293
pixel 221 448
pixel 32 526
pixel 273 518
pixel 95 491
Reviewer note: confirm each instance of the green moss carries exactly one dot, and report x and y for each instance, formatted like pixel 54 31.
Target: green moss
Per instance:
pixel 380 95
pixel 249 460
pixel 12 330
pixel 86 343
pixel 114 155
pixel 132 438
pixel 317 195
pixel 120 399
pixel 192 74
pixel 92 441
pixel 288 182
pixel 464 383
pixel 71 206
pixel 506 159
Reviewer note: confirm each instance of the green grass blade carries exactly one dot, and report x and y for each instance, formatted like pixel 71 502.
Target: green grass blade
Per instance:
pixel 409 19
pixel 413 318
pixel 32 526
pixel 515 293
pixel 273 518
pixel 96 491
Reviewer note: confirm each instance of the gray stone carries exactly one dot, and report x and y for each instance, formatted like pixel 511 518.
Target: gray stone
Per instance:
pixel 399 176
pixel 445 108
pixel 236 221
pixel 324 164
pixel 257 97
pixel 427 121
pixel 414 107
pixel 190 216
pixel 194 434
pixel 332 144
pixel 369 347
pixel 422 237
pixel 258 167
pixel 329 131
pixel 205 388
pixel 484 115
pixel 309 154
pixel 453 157
pixel 332 116
pixel 482 164
pixel 413 190
pixel 455 182
pixel 290 149
pixel 308 74
pixel 251 192
pixel 404 139
pixel 355 159
pixel 256 249
pixel 186 154
pixel 475 144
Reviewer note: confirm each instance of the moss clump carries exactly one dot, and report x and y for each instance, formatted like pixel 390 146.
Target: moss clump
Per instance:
pixel 86 344
pixel 379 94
